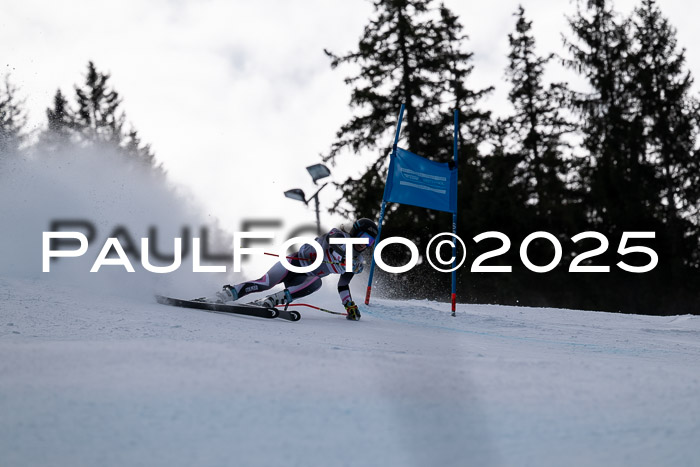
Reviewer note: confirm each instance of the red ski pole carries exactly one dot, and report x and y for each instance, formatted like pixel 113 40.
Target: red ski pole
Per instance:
pixel 305 259
pixel 317 308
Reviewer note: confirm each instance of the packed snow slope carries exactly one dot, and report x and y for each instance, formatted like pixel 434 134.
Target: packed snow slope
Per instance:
pixel 96 379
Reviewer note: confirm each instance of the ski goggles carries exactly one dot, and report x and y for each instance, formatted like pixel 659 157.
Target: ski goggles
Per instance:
pixel 369 237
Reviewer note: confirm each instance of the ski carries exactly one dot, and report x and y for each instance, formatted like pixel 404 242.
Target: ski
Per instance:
pixel 290 315
pixel 239 309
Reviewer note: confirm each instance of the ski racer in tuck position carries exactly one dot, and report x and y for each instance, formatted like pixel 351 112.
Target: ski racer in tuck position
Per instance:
pixel 302 284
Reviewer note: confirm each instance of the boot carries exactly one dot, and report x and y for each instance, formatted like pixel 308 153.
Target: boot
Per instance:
pixel 280 298
pixel 227 294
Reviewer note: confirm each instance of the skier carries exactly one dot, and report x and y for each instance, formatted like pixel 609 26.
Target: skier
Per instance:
pixel 302 284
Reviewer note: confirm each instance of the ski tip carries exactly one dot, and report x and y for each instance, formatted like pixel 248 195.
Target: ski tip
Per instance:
pixel 162 299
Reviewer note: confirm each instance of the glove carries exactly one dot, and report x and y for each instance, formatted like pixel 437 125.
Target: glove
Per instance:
pixel 353 313
pixel 357 265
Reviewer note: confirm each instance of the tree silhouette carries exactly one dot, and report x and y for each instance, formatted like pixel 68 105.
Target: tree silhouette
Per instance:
pixel 612 128
pixel 670 115
pixel 412 53
pixel 538 125
pixel 12 119
pixel 60 124
pixel 97 117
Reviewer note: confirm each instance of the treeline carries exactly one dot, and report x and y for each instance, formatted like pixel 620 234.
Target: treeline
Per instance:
pixel 92 120
pixel 620 155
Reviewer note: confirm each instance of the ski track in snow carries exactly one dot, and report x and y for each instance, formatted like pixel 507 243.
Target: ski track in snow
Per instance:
pixel 95 379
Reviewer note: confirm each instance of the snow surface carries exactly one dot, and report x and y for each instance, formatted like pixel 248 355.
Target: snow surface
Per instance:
pixel 90 378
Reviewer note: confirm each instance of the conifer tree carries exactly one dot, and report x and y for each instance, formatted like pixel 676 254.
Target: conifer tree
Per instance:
pixel 412 53
pixel 638 126
pixel 663 86
pixel 12 119
pixel 98 118
pixel 475 126
pixel 612 128
pixel 140 151
pixel 60 124
pixel 537 124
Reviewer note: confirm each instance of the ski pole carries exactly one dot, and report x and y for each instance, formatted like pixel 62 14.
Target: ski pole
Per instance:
pixel 305 259
pixel 317 308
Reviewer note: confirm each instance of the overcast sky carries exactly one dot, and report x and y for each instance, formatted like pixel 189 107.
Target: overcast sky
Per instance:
pixel 236 97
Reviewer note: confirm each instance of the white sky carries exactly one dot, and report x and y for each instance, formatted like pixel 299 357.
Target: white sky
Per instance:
pixel 237 97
